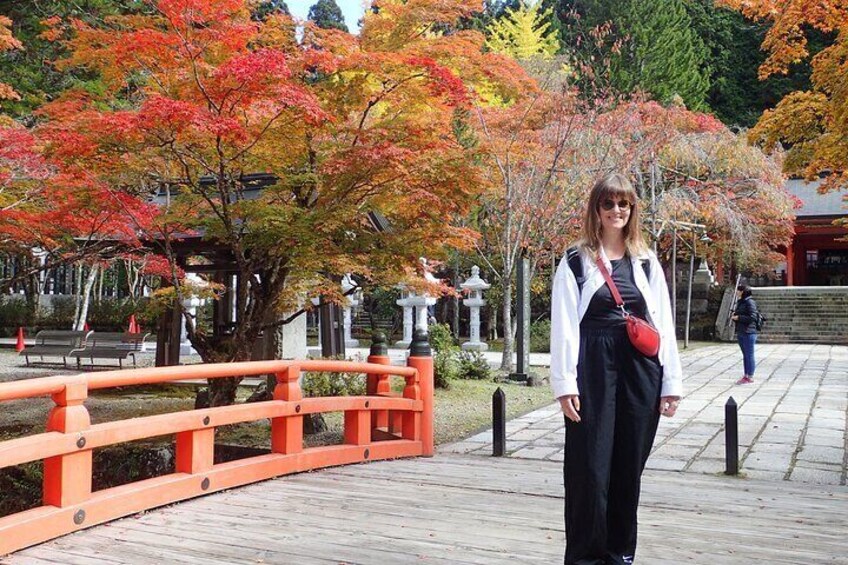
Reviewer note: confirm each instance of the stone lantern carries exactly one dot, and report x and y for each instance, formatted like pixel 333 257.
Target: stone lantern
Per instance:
pixel 191 305
pixel 475 286
pixel 404 303
pixel 420 302
pixel 353 300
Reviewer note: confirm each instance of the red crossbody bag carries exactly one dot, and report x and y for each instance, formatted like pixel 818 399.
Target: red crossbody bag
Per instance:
pixel 644 337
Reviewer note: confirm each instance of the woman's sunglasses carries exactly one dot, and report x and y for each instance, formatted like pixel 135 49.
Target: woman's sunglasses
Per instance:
pixel 622 204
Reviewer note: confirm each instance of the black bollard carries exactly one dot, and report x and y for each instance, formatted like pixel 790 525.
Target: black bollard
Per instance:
pixel 498 423
pixel 731 438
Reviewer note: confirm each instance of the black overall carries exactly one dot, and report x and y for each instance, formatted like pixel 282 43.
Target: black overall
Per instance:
pixel 606 451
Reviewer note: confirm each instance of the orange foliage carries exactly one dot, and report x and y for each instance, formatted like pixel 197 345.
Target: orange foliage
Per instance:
pixel 7 42
pixel 198 96
pixel 813 124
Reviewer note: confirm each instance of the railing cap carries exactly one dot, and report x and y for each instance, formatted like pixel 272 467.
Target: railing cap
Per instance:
pixel 379 344
pixel 420 346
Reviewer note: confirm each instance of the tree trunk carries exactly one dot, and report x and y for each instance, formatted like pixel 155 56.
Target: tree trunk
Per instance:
pixel 100 284
pixel 492 330
pixel 222 392
pixel 506 360
pixel 85 299
pixel 456 305
pixel 77 293
pixel 273 350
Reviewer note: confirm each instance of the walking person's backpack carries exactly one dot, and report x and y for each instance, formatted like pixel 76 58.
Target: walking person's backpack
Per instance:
pixel 759 320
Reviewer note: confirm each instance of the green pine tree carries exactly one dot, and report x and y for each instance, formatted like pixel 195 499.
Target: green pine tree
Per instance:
pixel 25 69
pixel 327 14
pixel 264 8
pixel 664 55
pixel 736 94
pixel 524 32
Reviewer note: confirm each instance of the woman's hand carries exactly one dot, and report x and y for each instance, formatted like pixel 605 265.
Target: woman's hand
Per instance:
pixel 570 405
pixel 734 317
pixel 668 405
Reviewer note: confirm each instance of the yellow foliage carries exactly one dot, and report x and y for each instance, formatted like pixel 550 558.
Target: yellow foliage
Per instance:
pixel 523 33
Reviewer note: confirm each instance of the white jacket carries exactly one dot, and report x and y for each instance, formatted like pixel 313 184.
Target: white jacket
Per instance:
pixel 569 305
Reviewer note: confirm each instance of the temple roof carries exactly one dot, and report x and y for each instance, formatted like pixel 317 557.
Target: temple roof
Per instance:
pixel 815 204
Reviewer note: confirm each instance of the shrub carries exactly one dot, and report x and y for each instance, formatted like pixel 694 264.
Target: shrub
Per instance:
pixel 540 336
pixel 473 365
pixel 15 312
pixel 445 369
pixel 113 314
pixel 60 315
pixel 445 364
pixel 441 338
pixel 327 383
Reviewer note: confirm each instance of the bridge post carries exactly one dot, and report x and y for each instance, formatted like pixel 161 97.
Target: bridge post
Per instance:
pixel 195 451
pixel 357 427
pixel 421 358
pixel 67 478
pixel 378 385
pixel 287 431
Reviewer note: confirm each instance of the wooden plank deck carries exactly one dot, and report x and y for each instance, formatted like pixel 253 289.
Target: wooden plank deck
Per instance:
pixel 458 510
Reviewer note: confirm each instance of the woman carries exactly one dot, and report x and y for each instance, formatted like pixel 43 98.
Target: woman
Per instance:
pixel 746 330
pixel 611 394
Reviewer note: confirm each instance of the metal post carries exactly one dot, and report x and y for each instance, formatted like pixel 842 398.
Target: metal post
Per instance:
pixel 522 338
pixel 674 275
pixel 689 292
pixel 654 204
pixel 498 423
pixel 731 438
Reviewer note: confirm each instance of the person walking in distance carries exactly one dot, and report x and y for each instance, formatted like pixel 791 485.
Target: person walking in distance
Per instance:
pixel 611 393
pixel 746 317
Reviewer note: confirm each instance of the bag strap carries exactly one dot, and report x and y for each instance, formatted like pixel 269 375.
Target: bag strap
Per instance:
pixel 613 289
pixel 575 263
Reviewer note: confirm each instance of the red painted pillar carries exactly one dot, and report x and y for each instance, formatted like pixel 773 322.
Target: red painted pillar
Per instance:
pixel 421 358
pixel 67 478
pixel 790 264
pixel 378 385
pixel 195 451
pixel 287 431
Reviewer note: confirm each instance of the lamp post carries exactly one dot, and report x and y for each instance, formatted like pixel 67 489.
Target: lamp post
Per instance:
pixel 693 248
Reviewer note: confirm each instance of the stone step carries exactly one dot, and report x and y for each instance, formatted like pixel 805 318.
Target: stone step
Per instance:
pixel 799 316
pixel 797 303
pixel 836 310
pixel 817 308
pixel 801 333
pixel 804 315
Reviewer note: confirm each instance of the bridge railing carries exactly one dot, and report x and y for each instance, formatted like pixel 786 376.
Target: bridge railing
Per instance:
pixel 377 425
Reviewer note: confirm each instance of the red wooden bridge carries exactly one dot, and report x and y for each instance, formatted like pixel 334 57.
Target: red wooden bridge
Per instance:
pixel 378 425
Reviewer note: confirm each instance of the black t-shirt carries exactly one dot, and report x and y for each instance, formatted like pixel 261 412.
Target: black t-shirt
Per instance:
pixel 602 311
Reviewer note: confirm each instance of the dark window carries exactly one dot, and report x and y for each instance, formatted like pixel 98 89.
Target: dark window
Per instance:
pixel 812 259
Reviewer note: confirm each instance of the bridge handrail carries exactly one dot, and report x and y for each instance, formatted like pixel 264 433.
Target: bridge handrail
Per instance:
pixel 377 425
pixel 48 386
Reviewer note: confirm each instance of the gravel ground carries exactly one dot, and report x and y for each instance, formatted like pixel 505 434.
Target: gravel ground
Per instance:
pixel 24 417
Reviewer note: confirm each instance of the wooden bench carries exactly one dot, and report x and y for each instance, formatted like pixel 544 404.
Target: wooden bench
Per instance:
pixel 56 343
pixel 111 345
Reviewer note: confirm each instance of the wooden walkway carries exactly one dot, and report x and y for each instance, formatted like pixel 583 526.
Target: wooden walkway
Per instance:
pixel 462 509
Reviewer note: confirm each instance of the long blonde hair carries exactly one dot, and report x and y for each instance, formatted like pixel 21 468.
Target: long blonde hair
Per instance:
pixel 612 186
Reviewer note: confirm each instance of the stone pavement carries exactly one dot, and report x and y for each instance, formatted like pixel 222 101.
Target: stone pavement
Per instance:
pixel 792 420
